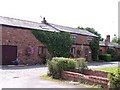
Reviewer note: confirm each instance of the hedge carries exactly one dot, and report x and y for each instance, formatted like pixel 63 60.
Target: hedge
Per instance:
pixel 59 64
pixel 106 57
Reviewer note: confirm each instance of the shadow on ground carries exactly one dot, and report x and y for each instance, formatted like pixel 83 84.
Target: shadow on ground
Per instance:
pixel 14 67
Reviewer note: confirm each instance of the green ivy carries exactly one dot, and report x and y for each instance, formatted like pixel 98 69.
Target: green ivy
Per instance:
pixel 94 45
pixel 57 43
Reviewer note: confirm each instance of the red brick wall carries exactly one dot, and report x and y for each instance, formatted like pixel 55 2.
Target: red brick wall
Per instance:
pixel 84 54
pixel 85 51
pixel 96 73
pixel 82 39
pixel 103 48
pixel 22 38
pixel 118 51
pixel 90 78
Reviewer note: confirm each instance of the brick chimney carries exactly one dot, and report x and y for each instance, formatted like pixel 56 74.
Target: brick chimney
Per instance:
pixel 107 40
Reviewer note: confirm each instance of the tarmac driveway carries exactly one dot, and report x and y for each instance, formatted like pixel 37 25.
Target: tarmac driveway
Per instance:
pixel 29 77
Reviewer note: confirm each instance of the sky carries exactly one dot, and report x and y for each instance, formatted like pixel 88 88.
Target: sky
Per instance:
pixel 102 15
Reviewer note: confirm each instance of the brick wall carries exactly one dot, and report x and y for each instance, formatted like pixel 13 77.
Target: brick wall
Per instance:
pixel 83 52
pixel 88 76
pixel 82 39
pixel 82 45
pixel 103 48
pixel 22 38
pixel 118 51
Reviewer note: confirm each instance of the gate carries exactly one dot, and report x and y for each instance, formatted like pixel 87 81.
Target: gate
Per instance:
pixel 9 53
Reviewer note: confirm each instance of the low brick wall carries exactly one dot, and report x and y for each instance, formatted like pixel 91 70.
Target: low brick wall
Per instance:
pixel 96 73
pixel 93 72
pixel 88 76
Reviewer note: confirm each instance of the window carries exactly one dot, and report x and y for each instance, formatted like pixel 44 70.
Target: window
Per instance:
pixel 100 52
pixel 72 50
pixel 41 50
pixel 73 37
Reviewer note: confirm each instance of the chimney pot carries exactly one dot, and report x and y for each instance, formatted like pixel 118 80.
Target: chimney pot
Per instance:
pixel 44 21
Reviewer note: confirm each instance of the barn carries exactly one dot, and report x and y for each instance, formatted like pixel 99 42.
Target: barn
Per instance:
pixel 18 42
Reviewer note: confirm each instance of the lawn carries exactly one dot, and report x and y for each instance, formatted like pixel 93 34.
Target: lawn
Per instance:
pixel 110 69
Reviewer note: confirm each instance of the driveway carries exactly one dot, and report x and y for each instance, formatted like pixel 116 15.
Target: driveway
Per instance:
pixel 103 64
pixel 29 77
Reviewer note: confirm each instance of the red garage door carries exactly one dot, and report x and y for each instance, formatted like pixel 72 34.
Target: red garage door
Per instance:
pixel 9 53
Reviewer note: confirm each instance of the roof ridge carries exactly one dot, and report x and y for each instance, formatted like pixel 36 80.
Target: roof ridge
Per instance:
pixel 20 19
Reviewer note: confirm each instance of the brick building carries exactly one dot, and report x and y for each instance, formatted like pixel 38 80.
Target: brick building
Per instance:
pixel 104 45
pixel 18 42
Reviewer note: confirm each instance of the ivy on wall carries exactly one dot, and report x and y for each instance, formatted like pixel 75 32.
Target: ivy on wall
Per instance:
pixel 94 45
pixel 57 43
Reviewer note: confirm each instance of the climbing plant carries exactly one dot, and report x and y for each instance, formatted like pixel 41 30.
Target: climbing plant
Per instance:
pixel 57 43
pixel 94 45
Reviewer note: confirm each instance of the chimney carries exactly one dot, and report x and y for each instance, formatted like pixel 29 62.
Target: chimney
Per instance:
pixel 106 42
pixel 108 38
pixel 44 21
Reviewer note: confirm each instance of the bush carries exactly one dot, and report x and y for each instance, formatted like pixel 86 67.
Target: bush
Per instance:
pixel 59 64
pixel 116 58
pixel 81 63
pixel 106 57
pixel 114 80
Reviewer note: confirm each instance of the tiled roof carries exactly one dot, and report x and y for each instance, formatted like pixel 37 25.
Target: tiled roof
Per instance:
pixel 73 30
pixel 36 25
pixel 24 24
pixel 111 44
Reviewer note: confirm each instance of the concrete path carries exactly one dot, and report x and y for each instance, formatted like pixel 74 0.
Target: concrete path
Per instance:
pixel 103 64
pixel 29 77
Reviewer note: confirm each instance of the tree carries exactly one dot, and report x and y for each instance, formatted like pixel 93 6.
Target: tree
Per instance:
pixel 116 39
pixel 92 30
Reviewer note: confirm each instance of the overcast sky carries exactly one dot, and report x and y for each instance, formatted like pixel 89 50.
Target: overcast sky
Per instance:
pixel 102 15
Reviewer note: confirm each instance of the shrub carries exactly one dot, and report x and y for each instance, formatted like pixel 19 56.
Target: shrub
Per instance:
pixel 116 58
pixel 59 64
pixel 114 80
pixel 106 57
pixel 81 63
pixel 111 51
